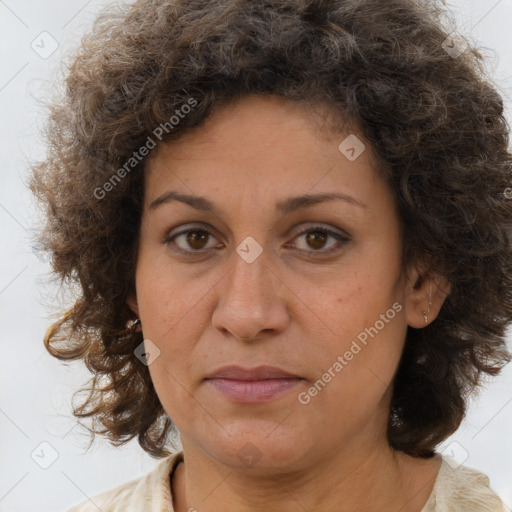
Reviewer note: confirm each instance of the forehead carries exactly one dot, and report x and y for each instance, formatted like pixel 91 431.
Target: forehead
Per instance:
pixel 267 145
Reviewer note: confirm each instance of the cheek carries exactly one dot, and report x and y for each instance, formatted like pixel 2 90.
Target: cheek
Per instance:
pixel 361 364
pixel 171 388
pixel 166 300
pixel 357 363
pixel 366 306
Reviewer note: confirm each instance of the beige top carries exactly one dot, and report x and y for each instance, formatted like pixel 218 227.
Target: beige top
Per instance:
pixel 456 489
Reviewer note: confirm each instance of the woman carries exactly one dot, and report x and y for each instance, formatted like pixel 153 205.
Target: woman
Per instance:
pixel 288 225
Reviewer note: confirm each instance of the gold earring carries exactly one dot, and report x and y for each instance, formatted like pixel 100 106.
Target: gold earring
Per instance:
pixel 133 325
pixel 425 313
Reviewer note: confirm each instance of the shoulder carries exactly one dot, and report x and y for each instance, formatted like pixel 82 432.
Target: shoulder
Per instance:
pixel 150 492
pixel 462 488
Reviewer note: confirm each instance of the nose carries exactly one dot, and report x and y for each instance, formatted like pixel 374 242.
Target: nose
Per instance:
pixel 252 300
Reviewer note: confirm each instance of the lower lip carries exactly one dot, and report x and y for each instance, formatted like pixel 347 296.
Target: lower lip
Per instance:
pixel 253 391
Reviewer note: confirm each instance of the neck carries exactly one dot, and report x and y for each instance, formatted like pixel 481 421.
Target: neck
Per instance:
pixel 349 480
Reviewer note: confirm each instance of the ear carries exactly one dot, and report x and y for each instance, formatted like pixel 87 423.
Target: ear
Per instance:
pixel 132 304
pixel 423 288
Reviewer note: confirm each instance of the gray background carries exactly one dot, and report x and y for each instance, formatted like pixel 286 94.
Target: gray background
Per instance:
pixel 36 389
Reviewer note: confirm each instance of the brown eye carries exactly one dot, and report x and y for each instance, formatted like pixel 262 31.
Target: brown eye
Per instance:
pixel 196 239
pixel 190 240
pixel 317 237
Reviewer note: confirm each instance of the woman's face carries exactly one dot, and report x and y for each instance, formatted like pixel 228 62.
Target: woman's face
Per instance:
pixel 243 286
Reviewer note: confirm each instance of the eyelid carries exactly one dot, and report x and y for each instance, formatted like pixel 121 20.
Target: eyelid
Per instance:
pixel 169 238
pixel 341 236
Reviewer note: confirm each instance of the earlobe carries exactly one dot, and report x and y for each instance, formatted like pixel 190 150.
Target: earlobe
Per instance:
pixel 426 313
pixel 425 297
pixel 133 305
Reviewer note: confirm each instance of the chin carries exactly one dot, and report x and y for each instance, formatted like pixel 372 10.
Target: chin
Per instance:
pixel 261 448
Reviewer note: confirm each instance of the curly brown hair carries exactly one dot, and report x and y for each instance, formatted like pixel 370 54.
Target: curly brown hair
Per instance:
pixel 434 119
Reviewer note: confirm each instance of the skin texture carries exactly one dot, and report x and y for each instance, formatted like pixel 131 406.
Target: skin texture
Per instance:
pixel 291 307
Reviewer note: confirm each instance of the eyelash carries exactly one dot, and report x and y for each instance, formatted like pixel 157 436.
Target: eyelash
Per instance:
pixel 341 239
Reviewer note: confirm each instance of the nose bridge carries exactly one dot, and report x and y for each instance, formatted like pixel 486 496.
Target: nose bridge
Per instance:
pixel 247 301
pixel 250 258
pixel 249 280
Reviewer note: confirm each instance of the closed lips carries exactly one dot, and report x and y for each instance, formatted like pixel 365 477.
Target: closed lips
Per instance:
pixel 252 385
pixel 258 373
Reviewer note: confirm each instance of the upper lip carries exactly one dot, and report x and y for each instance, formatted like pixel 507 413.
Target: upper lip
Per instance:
pixel 257 373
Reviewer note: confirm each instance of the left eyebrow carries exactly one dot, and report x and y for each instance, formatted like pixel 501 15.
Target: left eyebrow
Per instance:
pixel 284 207
pixel 298 202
